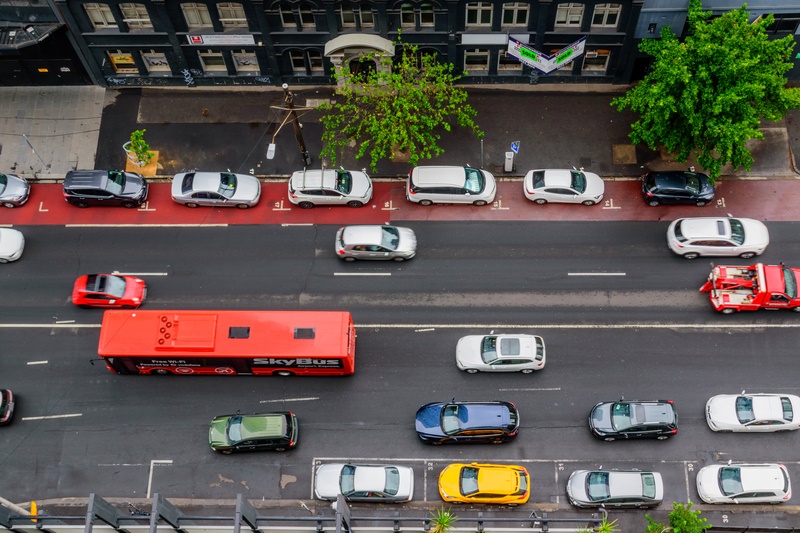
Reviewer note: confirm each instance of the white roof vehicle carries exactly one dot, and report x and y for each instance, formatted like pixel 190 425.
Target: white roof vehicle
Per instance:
pixel 216 189
pixel 366 483
pixel 570 186
pixel 12 243
pixel 308 188
pixel 756 413
pixel 500 353
pixel 744 483
pixel 712 236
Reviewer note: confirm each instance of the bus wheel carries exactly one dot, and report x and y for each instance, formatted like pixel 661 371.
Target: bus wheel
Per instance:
pixel 162 372
pixel 283 373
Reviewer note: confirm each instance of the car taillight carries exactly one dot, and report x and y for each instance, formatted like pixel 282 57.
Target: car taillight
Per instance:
pixel 674 431
pixel 648 193
pixel 292 195
pixel 340 252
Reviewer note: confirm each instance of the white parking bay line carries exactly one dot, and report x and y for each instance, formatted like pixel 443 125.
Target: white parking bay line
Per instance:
pixel 310 398
pixel 51 416
pixel 140 273
pixel 362 273
pixel 37 362
pixel 528 390
pixel 596 274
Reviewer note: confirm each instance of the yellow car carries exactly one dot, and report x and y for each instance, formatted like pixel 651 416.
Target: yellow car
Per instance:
pixel 484 483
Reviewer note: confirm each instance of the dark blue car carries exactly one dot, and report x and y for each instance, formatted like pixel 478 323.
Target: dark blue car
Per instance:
pixel 481 422
pixel 677 187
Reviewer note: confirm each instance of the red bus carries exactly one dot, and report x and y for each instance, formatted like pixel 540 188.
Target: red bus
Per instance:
pixel 283 343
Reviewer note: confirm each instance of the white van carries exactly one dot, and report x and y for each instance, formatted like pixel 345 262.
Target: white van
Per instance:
pixel 450 185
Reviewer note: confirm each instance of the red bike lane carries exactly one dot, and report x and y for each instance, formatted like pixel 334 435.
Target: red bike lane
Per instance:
pixel 766 200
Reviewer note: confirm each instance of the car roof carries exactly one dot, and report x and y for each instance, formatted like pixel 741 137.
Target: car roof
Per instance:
pixel 369 478
pixel 439 176
pixel 84 178
pixel 767 407
pixel 705 228
pixel 367 234
pixel 558 178
pixel 761 477
pixel 206 181
pixel 253 426
pixel 497 478
pixel 645 412
pixel 316 179
pixel 621 484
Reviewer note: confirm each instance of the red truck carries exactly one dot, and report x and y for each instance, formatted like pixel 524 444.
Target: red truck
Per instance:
pixel 748 288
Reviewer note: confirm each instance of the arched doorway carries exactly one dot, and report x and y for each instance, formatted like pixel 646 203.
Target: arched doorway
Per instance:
pixel 348 49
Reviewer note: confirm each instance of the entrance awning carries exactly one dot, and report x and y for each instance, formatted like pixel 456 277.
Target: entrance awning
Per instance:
pixel 359 40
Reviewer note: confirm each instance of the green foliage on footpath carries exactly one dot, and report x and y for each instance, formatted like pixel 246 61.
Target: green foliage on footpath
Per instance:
pixel 140 147
pixel 708 94
pixel 681 520
pixel 401 107
pixel 443 520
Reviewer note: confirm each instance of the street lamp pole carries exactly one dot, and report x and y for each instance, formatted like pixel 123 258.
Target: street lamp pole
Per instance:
pixel 288 99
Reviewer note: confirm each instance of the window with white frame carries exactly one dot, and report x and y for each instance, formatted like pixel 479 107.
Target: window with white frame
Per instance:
pixel 407 19
pixel 355 17
pixel 122 62
pixel 231 15
pixel 156 62
pixel 136 16
pixel 515 14
pixel 426 15
pixel 287 18
pixel 367 17
pixel 315 62
pixel 306 63
pixel 569 14
pixel 307 18
pixel 476 61
pixel 100 15
pixel 212 61
pixel 479 14
pixel 245 61
pixel 508 64
pixel 606 15
pixel 595 61
pixel 196 15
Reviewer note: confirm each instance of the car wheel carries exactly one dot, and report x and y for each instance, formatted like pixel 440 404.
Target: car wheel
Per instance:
pixel 700 203
pixel 162 372
pixel 9 205
pixel 662 437
pixel 728 311
pixel 190 204
pixel 305 205
pixel 498 441
pixel 354 203
pixel 284 373
pixel 434 442
pixel 281 449
pixel 479 203
pixel 425 202
pixel 540 201
pixel 512 504
pixel 226 452
pixel 349 259
pixel 747 255
pixel 243 206
pixel 653 203
pixel 3 260
pixel 609 439
pixel 589 202
pixel 128 205
pixel 796 309
pixel 82 205
pixel 527 371
pixel 129 307
pixel 691 255
pixel 84 306
pixel 471 371
pixel 399 259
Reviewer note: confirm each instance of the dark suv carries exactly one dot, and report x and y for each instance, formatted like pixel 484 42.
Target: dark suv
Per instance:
pixel 84 188
pixel 635 419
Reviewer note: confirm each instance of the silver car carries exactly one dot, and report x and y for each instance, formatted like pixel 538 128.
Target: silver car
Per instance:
pixel 216 189
pixel 568 186
pixel 364 483
pixel 14 190
pixel 753 413
pixel 376 243
pixel 500 353
pixel 308 188
pixel 744 483
pixel 722 237
pixel 12 243
pixel 593 488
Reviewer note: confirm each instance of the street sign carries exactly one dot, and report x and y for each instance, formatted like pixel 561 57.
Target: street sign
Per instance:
pixel 515 147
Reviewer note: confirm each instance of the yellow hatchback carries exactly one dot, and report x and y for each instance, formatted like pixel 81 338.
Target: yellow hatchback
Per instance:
pixel 484 483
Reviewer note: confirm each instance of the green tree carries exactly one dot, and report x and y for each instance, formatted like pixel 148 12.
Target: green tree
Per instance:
pixel 708 94
pixel 681 520
pixel 401 106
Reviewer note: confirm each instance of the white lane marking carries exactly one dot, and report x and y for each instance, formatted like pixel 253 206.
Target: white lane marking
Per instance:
pixel 65 321
pixel 49 325
pixel 298 224
pixel 310 398
pixel 423 330
pixel 120 464
pixel 596 274
pixel 362 273
pixel 51 416
pixel 37 362
pixel 527 390
pixel 145 225
pixel 117 272
pixel 150 477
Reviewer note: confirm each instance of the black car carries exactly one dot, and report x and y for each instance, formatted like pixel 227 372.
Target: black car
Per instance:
pixel 84 188
pixel 655 419
pixel 6 406
pixel 455 422
pixel 677 187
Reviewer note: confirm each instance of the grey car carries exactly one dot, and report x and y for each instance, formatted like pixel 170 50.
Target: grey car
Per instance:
pixel 375 242
pixel 364 483
pixel 14 190
pixel 595 488
pixel 216 189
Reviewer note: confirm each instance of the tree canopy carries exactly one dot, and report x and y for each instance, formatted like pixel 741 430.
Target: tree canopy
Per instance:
pixel 400 106
pixel 708 94
pixel 681 520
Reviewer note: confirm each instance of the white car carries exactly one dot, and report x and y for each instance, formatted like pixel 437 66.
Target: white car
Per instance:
pixel 364 483
pixel 500 353
pixel 593 488
pixel 744 483
pixel 712 236
pixel 375 243
pixel 756 413
pixel 216 189
pixel 563 186
pixel 12 243
pixel 308 188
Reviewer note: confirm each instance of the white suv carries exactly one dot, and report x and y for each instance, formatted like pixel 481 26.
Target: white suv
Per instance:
pixel 308 188
pixel 450 185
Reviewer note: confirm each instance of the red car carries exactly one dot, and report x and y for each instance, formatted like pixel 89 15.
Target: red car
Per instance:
pixel 6 406
pixel 109 290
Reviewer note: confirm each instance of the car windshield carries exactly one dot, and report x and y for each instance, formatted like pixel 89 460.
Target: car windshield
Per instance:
pixel 744 409
pixel 649 486
pixel 113 285
pixel 578 181
pixel 737 231
pixel 344 181
pixel 390 237
pixel 678 233
pixel 788 412
pixel 790 282
pixel 116 181
pixel 621 416
pixel 489 349
pixel 392 481
pixel 235 429
pixel 227 184
pixel 348 479
pixel 692 184
pixel 597 486
pixel 3 183
pixel 452 417
pixel 469 480
pixel 730 480
pixel 186 184
pixel 474 181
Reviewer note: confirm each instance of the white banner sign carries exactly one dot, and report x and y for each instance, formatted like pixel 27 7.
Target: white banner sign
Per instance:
pixel 542 62
pixel 220 39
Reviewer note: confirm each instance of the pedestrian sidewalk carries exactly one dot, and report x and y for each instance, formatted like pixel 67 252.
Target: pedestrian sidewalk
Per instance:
pixel 47 131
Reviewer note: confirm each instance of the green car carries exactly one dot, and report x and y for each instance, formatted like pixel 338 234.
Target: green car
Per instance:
pixel 255 432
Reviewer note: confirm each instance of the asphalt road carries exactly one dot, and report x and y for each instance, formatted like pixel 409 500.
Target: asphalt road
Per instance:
pixel 632 323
